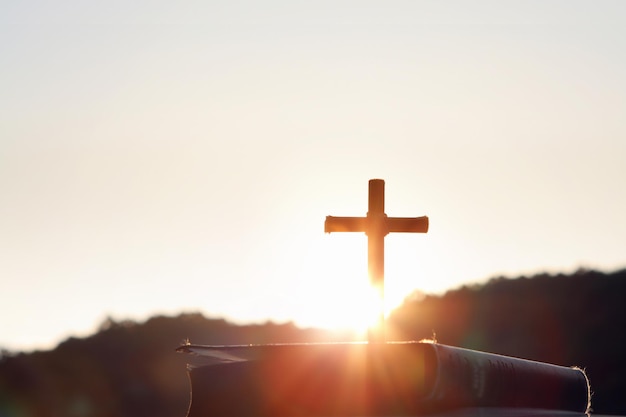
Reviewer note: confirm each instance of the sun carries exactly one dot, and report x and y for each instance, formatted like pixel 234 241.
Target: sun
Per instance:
pixel 361 310
pixel 336 294
pixel 356 311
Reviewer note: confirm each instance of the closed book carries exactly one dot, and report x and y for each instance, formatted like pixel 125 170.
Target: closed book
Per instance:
pixel 381 379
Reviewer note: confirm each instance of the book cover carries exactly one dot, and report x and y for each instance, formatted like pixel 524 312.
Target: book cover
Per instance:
pixel 361 379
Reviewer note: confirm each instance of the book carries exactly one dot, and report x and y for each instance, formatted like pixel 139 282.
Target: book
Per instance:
pixel 381 379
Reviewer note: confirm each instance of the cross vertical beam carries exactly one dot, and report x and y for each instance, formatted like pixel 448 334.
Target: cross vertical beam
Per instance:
pixel 376 231
pixel 376 226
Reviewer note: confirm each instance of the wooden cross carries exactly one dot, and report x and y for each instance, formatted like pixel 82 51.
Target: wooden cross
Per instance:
pixel 376 226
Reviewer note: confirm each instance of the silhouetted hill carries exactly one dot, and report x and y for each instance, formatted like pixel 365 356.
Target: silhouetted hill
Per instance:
pixel 126 369
pixel 130 369
pixel 577 319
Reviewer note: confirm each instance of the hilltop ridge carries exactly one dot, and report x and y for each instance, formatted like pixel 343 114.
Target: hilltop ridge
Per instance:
pixel 130 368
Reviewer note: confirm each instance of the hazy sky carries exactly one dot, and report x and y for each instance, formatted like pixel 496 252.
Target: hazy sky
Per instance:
pixel 159 157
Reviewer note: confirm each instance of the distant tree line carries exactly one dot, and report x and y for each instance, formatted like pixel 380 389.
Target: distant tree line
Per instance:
pixel 577 319
pixel 131 369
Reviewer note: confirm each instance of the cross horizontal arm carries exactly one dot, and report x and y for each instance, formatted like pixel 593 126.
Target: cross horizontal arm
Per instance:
pixel 344 224
pixel 408 224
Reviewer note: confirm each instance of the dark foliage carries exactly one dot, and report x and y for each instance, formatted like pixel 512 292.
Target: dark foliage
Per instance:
pixel 568 320
pixel 130 369
pixel 126 369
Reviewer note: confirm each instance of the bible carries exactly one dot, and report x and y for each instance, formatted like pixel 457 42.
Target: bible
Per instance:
pixel 373 379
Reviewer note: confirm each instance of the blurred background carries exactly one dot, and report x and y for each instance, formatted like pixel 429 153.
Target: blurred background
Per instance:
pixel 159 159
pixel 164 157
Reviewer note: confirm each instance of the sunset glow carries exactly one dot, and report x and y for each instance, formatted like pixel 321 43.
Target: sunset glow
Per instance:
pixel 161 159
pixel 361 311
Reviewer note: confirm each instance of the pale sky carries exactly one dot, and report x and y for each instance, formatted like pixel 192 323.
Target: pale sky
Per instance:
pixel 160 157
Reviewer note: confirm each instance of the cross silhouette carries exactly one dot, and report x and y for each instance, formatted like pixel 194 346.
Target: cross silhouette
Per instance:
pixel 376 226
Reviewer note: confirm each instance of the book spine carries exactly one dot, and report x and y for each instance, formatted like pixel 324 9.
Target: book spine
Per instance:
pixel 401 379
pixel 470 378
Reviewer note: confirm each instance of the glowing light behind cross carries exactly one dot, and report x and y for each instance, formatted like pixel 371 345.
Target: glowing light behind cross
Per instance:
pixel 376 226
